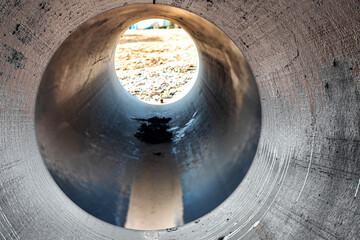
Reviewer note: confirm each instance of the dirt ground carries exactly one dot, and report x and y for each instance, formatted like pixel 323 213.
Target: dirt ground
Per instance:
pixel 156 65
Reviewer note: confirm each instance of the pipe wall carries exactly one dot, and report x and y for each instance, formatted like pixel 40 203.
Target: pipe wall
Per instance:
pixel 303 182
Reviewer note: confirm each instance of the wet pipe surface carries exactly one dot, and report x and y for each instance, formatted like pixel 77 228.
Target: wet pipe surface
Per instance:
pixel 154 130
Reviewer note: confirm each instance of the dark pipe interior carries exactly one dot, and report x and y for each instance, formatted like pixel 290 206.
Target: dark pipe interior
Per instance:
pixel 97 140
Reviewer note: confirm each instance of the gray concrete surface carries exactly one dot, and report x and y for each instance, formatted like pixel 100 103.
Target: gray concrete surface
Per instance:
pixel 303 182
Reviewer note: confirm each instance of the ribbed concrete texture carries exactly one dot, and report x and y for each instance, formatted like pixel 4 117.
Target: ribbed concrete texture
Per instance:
pixel 265 146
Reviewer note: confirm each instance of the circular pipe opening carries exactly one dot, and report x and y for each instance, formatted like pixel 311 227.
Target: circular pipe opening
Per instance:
pixel 156 61
pixel 144 166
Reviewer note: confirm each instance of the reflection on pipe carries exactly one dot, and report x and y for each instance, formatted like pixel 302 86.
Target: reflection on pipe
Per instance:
pixel 156 194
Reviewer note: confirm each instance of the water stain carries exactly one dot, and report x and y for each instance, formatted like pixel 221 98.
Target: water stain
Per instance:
pixel 154 130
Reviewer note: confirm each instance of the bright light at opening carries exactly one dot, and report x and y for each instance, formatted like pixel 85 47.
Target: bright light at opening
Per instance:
pixel 156 61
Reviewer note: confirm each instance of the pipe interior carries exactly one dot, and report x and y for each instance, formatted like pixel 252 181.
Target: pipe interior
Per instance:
pixel 116 157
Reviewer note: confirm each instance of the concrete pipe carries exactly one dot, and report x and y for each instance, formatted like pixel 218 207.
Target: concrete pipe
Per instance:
pixel 267 153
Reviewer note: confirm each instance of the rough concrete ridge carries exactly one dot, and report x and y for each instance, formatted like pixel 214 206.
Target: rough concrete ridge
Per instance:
pixel 304 180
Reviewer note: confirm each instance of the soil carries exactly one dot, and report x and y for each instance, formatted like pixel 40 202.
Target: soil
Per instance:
pixel 157 65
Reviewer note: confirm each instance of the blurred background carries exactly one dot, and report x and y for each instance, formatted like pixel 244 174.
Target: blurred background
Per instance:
pixel 154 24
pixel 156 61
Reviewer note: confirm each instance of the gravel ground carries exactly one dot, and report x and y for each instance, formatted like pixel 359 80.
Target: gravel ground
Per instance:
pixel 157 65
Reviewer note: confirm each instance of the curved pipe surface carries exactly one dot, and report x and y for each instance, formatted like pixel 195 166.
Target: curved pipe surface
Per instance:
pixel 139 165
pixel 304 180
